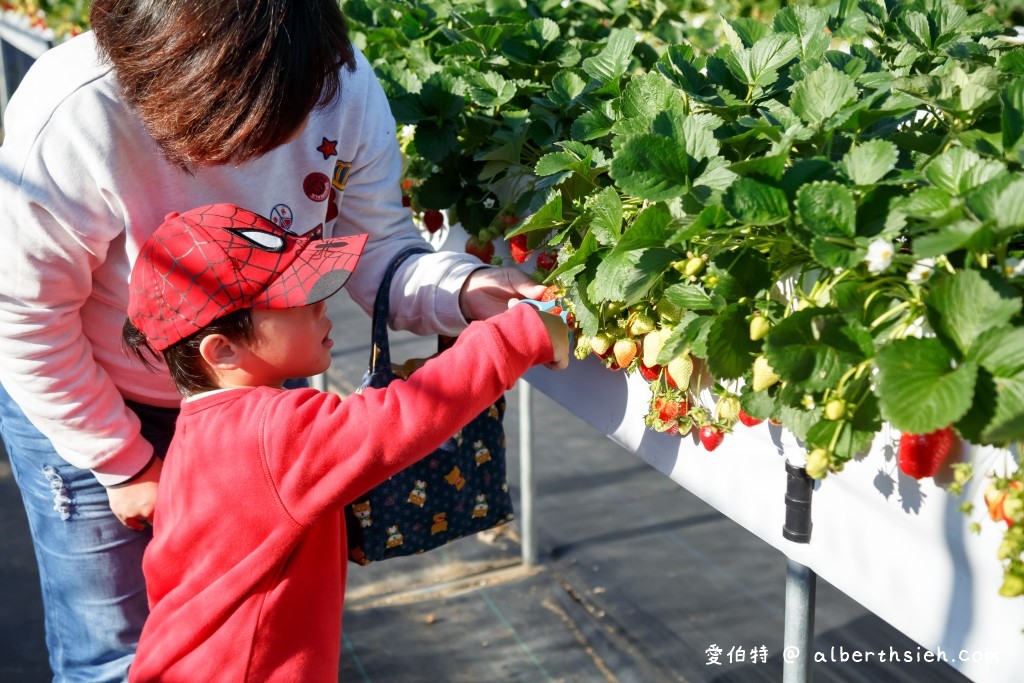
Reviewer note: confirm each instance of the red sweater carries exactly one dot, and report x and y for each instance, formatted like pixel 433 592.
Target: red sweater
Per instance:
pixel 246 570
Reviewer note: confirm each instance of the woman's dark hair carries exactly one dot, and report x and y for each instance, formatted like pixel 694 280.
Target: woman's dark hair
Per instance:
pixel 187 367
pixel 223 81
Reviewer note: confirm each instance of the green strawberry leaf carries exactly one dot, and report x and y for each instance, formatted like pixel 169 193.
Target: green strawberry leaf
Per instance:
pixel 754 203
pixel 604 210
pixel 546 217
pixel 608 66
pixel 868 163
pixel 845 445
pixel 649 229
pixel 628 275
pixel 963 306
pixel 442 96
pixel 758 66
pixel 741 273
pixel 566 86
pixel 811 349
pixel 807 24
pixel 822 93
pixel 1000 351
pixel 1008 422
pixel 760 404
pixel 435 143
pixel 730 349
pixel 489 89
pixel 1012 98
pixel 920 388
pixel 747 30
pixel 959 170
pixel 960 235
pixel 827 209
pixel 689 297
pixel 647 95
pixel 591 125
pixel 653 167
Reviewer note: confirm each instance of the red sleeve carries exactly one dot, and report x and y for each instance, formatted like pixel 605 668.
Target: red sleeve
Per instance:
pixel 321 451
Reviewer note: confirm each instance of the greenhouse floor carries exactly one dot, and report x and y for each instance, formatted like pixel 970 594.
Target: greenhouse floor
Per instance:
pixel 637 580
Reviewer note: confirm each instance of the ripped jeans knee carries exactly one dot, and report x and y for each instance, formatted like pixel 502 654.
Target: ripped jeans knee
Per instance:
pixel 62 503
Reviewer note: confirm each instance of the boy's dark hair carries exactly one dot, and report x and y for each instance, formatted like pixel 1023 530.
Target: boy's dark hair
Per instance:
pixel 222 81
pixel 187 367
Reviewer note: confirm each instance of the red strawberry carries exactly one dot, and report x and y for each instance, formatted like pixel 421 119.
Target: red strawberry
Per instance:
pixel 668 409
pixel 748 420
pixel 920 455
pixel 550 294
pixel 672 428
pixel 520 251
pixel 482 249
pixel 433 220
pixel 406 201
pixel 547 260
pixel 649 373
pixel 711 437
pixel 509 219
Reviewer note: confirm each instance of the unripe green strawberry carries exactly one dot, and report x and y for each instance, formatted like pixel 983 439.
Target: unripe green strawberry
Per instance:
pixel 817 463
pixel 835 409
pixel 625 351
pixel 759 327
pixel 764 375
pixel 640 324
pixel 693 266
pixel 1013 585
pixel 601 343
pixel 653 341
pixel 728 409
pixel 679 370
pixel 583 347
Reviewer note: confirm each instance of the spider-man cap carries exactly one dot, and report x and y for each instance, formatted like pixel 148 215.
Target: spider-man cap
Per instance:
pixel 205 263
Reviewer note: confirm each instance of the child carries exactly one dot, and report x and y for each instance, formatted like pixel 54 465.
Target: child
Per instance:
pixel 246 570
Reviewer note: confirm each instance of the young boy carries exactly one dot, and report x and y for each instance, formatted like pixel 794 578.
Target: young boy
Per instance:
pixel 246 570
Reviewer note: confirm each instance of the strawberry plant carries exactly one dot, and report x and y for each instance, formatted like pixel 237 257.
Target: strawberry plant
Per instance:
pixel 809 214
pixel 66 18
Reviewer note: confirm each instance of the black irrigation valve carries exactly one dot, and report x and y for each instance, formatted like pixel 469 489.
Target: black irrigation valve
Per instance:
pixel 799 488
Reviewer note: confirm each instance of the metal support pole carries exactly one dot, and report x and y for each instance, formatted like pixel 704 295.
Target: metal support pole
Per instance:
pixel 319 382
pixel 526 483
pixel 801 581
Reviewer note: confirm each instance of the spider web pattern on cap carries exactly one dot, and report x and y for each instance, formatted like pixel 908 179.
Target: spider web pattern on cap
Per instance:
pixel 211 261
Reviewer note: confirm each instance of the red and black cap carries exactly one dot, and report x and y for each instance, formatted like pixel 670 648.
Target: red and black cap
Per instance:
pixel 210 261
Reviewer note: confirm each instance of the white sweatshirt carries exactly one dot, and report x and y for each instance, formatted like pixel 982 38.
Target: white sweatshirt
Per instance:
pixel 82 185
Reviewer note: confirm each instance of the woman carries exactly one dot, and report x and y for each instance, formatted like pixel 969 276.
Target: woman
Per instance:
pixel 163 107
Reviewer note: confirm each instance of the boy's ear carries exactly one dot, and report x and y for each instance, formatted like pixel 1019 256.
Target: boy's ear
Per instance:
pixel 219 352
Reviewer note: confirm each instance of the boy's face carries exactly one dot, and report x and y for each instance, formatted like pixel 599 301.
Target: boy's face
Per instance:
pixel 289 343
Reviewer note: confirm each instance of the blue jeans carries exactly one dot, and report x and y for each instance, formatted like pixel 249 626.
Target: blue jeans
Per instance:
pixel 90 565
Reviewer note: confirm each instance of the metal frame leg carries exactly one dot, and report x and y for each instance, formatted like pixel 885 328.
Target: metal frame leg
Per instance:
pixel 526 484
pixel 798 640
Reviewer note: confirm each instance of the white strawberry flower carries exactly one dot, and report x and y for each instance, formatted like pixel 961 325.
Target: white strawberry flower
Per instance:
pixel 1013 267
pixel 408 130
pixel 921 271
pixel 489 202
pixel 879 255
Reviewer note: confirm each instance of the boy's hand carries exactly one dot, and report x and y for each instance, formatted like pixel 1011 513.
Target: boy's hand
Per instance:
pixel 133 503
pixel 558 332
pixel 486 291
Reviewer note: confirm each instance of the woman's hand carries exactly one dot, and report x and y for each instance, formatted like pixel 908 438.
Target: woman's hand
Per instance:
pixel 134 502
pixel 486 291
